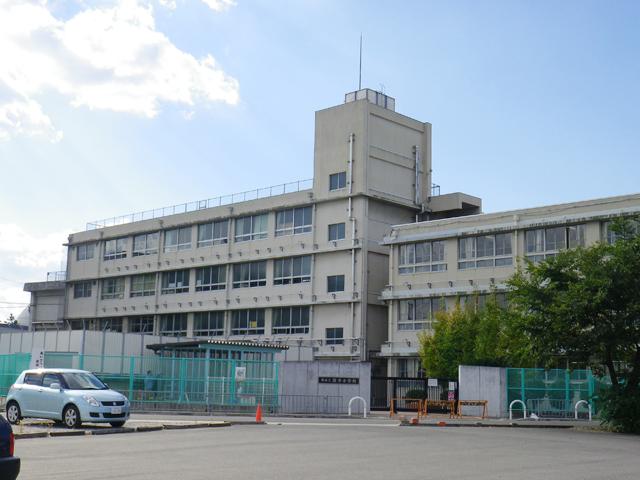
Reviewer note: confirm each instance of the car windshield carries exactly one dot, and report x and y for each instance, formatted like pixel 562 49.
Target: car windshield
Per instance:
pixel 83 381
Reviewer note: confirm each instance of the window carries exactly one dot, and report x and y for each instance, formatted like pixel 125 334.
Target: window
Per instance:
pixel 547 242
pixel 177 239
pixel 214 233
pixel 337 181
pixel 252 274
pixel 479 301
pixel 110 325
pixel 115 248
pixel 293 221
pixel 173 325
pixel 175 282
pixel 85 251
pixel 292 270
pixel 247 322
pixel 82 290
pixel 145 244
pixel 335 283
pixel 50 378
pixel 336 231
pixel 33 379
pixel 422 257
pixel 112 288
pixel 141 324
pixel 419 313
pixel 485 251
pixel 610 236
pixel 143 285
pixel 208 324
pixel 290 320
pixel 211 278
pixel 334 336
pixel 252 227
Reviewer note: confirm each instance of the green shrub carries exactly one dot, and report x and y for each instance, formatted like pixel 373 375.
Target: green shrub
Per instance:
pixel 621 409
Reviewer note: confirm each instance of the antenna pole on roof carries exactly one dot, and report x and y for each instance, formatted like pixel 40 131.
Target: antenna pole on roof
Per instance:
pixel 360 69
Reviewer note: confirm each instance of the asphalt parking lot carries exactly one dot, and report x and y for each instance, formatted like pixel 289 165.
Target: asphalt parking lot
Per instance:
pixel 292 449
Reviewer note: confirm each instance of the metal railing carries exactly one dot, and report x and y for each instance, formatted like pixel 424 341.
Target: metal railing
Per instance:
pixel 255 194
pixel 60 276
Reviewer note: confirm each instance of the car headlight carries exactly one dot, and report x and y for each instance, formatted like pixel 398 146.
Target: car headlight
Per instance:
pixel 91 401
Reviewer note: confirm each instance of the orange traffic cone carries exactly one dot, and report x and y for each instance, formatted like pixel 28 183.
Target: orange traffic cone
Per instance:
pixel 259 414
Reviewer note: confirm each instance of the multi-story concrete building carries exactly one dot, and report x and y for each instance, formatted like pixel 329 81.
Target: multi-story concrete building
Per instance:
pixel 301 263
pixel 435 264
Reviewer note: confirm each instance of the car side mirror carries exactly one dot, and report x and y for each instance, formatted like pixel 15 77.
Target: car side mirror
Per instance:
pixel 55 386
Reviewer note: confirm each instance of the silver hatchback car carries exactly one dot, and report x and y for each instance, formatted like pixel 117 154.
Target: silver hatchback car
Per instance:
pixel 70 396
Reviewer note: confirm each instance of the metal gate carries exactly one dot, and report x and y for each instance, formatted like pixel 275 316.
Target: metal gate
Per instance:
pixel 383 389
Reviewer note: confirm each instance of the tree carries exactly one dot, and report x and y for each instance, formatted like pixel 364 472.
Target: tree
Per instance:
pixel 467 336
pixel 584 305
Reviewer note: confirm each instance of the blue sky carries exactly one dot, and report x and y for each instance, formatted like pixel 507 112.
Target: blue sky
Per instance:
pixel 110 107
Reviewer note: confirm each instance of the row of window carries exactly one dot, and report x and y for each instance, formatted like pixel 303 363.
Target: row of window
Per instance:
pixel 420 313
pixel 292 221
pixel 287 271
pixel 493 250
pixel 284 321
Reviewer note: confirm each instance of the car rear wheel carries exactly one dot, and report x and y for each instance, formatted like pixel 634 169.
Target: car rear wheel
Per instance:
pixel 13 413
pixel 71 417
pixel 117 424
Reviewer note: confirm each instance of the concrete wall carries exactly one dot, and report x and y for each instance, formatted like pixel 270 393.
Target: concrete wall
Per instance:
pixel 77 341
pixel 301 378
pixel 484 383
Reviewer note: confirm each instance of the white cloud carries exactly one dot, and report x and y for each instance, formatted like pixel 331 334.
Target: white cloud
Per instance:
pixel 220 5
pixel 23 249
pixel 103 58
pixel 25 117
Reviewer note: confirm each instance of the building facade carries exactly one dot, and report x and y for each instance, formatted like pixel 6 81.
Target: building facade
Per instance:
pixel 434 264
pixel 304 267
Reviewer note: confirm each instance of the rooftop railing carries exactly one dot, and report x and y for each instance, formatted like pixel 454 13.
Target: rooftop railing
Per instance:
pixel 266 192
pixel 56 276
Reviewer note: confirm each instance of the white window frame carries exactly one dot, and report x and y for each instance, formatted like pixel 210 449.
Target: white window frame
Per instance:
pixel 175 286
pixel 82 290
pixel 119 248
pixel 296 224
pixel 338 233
pixel 148 285
pixel 247 322
pixel 173 325
pixel 297 270
pixel 470 258
pixel 418 313
pixel 252 270
pixel 341 181
pixel 136 323
pixel 182 239
pixel 208 324
pixel 259 227
pixel 219 233
pixel 85 251
pixel 413 258
pixel 114 288
pixel 542 249
pixel 336 279
pixel 332 337
pixel 148 240
pixel 290 320
pixel 204 275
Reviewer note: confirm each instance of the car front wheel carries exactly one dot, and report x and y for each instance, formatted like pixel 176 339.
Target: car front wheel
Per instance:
pixel 13 413
pixel 71 417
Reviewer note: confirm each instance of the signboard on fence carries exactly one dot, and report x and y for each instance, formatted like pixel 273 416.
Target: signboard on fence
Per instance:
pixel 37 358
pixel 241 374
pixel 432 382
pixel 340 380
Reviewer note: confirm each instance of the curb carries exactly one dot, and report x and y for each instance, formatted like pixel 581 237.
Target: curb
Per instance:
pixel 484 425
pixel 116 430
